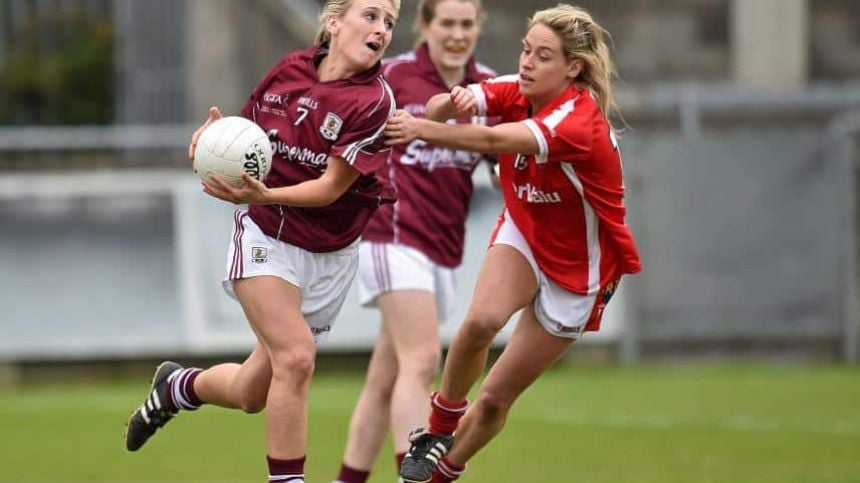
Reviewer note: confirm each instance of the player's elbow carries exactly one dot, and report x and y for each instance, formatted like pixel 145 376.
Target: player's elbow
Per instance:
pixel 326 199
pixel 492 142
pixel 437 108
pixel 330 194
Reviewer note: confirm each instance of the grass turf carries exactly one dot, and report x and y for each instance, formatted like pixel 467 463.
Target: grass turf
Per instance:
pixel 585 424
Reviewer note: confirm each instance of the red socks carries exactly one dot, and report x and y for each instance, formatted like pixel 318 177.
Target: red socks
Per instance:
pixel 445 415
pixel 447 472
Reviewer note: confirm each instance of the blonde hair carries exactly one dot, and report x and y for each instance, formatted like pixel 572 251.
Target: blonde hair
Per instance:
pixel 584 39
pixel 338 8
pixel 425 12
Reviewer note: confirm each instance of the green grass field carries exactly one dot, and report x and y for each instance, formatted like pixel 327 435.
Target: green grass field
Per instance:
pixel 577 424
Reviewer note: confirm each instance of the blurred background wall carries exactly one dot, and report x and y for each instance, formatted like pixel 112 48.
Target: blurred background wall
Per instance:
pixel 740 161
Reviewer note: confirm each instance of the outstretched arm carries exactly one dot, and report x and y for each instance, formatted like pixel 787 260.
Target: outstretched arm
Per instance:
pixel 458 103
pixel 511 137
pixel 322 191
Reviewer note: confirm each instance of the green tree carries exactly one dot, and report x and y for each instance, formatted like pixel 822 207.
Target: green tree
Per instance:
pixel 57 69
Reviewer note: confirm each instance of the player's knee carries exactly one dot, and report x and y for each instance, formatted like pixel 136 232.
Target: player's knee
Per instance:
pixel 491 406
pixel 295 363
pixel 421 363
pixel 379 382
pixel 481 327
pixel 250 391
pixel 380 391
pixel 251 403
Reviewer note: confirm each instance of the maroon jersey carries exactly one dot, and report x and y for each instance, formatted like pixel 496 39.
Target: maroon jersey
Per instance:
pixel 434 184
pixel 307 121
pixel 567 200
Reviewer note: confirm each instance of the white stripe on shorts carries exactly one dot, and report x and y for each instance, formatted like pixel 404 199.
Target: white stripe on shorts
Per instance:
pixel 380 267
pixel 238 266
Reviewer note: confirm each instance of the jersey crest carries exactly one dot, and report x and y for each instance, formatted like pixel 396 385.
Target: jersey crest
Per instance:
pixel 331 125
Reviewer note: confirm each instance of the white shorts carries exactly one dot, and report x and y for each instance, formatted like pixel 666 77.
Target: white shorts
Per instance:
pixel 561 312
pixel 322 278
pixel 384 267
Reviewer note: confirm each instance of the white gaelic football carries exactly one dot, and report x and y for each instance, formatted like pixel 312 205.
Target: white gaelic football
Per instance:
pixel 231 146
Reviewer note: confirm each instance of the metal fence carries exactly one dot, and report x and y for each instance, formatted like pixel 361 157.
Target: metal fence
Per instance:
pixel 150 57
pixel 744 204
pixel 747 231
pixel 748 223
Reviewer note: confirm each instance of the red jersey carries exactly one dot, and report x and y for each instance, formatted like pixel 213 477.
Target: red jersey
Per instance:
pixel 567 200
pixel 307 121
pixel 434 184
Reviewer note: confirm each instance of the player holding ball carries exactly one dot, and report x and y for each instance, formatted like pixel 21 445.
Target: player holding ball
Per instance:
pixel 294 252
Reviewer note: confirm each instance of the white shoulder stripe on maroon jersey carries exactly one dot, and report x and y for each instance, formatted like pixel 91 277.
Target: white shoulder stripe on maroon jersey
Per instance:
pixel 483 69
pixel 388 91
pixel 254 111
pixel 389 64
pixel 352 151
pixel 385 91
